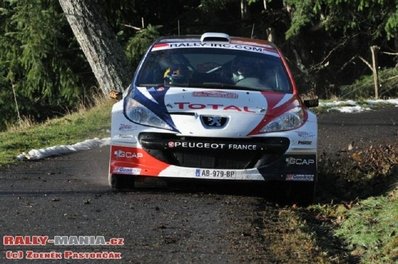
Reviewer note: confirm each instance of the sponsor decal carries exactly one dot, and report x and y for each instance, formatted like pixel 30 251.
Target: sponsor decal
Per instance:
pixel 127 170
pixel 197 106
pixel 218 94
pixel 250 44
pixel 195 145
pixel 252 48
pixel 305 134
pixel 63 241
pixel 300 161
pixel 304 142
pixel 125 127
pixel 244 147
pixel 300 177
pixel 127 154
pixel 212 145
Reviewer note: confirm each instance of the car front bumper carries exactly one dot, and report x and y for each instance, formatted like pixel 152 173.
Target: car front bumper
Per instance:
pixel 255 159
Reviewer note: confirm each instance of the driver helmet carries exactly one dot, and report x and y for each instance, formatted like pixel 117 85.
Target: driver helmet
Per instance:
pixel 176 74
pixel 242 68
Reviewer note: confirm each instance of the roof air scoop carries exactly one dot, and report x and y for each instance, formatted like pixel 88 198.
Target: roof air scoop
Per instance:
pixel 214 37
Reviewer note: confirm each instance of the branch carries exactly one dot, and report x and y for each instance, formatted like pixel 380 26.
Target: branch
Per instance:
pixel 348 62
pixel 367 63
pixel 133 27
pixel 390 53
pixel 391 78
pixel 324 63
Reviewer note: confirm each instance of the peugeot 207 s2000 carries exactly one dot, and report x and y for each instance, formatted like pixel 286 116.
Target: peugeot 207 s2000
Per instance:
pixel 213 107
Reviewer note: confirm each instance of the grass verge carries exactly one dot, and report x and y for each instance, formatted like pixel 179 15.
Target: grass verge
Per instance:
pixel 355 219
pixel 371 229
pixel 360 204
pixel 84 124
pixel 365 231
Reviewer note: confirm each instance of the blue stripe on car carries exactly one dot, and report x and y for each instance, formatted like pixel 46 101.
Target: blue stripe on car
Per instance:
pixel 158 108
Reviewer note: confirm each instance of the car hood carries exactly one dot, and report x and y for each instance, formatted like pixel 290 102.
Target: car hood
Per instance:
pixel 214 113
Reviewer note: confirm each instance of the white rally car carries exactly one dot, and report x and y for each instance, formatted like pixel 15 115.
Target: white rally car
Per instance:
pixel 213 107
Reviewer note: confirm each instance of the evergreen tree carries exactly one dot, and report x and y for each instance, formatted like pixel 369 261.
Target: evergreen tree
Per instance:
pixel 38 59
pixel 137 45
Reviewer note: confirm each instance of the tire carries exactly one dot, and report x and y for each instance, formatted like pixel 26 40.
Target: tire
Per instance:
pixel 301 193
pixel 121 182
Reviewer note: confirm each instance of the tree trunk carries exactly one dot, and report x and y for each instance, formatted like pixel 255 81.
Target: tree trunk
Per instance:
pixel 374 50
pixel 244 14
pixel 98 42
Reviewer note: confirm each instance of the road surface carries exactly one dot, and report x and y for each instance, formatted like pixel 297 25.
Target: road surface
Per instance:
pixel 68 196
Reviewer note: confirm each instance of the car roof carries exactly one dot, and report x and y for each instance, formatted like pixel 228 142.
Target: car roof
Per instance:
pixel 232 40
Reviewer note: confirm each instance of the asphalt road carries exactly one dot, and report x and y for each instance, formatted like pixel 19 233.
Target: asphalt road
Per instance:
pixel 69 196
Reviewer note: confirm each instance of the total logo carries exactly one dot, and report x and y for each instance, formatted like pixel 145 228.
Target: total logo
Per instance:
pixel 299 161
pixel 196 106
pixel 127 154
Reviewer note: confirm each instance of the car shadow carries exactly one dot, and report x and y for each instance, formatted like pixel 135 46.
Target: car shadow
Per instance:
pixel 274 193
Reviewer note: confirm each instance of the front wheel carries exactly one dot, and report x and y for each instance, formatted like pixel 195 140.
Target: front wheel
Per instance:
pixel 299 193
pixel 121 182
pixel 302 193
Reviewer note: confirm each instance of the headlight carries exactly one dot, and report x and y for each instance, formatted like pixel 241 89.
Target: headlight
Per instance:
pixel 289 120
pixel 137 113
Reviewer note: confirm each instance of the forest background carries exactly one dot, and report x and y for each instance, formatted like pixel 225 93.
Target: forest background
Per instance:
pixel 44 73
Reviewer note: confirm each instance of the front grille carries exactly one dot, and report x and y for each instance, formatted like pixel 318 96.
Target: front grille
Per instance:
pixel 219 153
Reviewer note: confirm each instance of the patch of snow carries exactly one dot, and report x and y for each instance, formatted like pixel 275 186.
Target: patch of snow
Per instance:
pixel 350 106
pixel 337 103
pixel 387 101
pixel 350 109
pixel 37 154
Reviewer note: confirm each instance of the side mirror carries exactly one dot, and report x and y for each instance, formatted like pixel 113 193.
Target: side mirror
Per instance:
pixel 311 102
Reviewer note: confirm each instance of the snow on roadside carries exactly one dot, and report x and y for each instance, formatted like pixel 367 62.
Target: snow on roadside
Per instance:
pixel 350 106
pixel 387 101
pixel 37 154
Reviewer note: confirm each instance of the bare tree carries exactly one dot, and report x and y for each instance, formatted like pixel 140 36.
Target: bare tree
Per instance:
pixel 98 42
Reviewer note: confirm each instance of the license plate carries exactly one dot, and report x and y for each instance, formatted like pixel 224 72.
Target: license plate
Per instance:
pixel 217 174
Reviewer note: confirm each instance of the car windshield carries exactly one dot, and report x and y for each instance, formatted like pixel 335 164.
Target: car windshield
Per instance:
pixel 214 68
